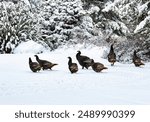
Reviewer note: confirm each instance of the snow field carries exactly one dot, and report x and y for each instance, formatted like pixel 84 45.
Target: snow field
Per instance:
pixel 120 84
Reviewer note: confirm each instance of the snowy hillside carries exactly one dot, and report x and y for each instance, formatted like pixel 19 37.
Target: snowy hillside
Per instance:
pixel 120 84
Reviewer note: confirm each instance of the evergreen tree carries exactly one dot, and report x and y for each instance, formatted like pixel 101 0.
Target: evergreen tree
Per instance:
pixel 57 20
pixel 15 25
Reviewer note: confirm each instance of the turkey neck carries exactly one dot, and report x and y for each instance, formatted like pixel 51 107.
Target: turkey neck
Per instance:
pixel 78 55
pixel 112 49
pixel 70 61
pixel 37 58
pixel 135 55
pixel 30 61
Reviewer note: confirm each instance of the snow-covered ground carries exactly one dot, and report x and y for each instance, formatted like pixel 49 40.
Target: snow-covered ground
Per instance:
pixel 120 84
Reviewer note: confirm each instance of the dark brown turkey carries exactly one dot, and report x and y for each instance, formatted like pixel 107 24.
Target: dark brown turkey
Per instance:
pixel 84 61
pixel 73 67
pixel 112 56
pixel 34 66
pixel 137 60
pixel 97 67
pixel 45 64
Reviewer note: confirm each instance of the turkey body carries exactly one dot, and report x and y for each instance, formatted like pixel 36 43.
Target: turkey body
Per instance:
pixel 112 56
pixel 84 61
pixel 34 66
pixel 98 67
pixel 137 60
pixel 73 67
pixel 45 64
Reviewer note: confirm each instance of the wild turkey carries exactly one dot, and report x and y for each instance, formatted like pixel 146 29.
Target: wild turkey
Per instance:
pixel 34 66
pixel 84 61
pixel 73 67
pixel 112 56
pixel 44 63
pixel 97 67
pixel 137 60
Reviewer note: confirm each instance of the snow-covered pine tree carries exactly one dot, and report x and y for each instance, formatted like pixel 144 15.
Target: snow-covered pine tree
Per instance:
pixel 15 25
pixel 127 21
pixel 142 30
pixel 106 18
pixel 57 20
pixel 135 15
